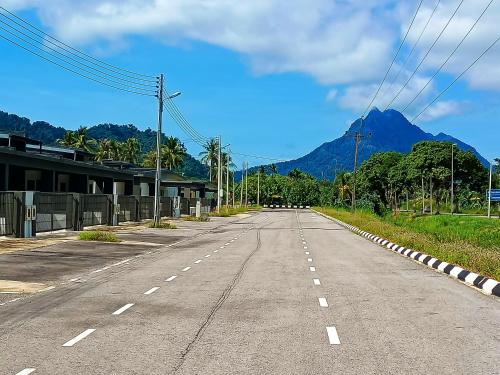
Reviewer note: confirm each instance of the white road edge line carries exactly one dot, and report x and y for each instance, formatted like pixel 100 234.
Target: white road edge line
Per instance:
pixel 333 336
pixel 123 308
pixel 26 371
pixel 322 302
pixel 171 278
pixel 152 290
pixel 81 336
pixel 316 282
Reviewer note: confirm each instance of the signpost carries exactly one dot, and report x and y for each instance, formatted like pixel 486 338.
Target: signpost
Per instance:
pixel 493 195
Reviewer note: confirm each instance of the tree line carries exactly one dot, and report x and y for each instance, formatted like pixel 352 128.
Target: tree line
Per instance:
pixel 386 181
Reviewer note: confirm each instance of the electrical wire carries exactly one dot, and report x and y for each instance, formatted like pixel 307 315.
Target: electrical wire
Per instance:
pixel 394 59
pixel 449 57
pixel 74 71
pixel 135 75
pixel 394 80
pixel 139 82
pixel 113 81
pixel 456 79
pixel 427 54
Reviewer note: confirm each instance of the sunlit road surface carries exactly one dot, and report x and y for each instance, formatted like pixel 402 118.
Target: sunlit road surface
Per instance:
pixel 280 292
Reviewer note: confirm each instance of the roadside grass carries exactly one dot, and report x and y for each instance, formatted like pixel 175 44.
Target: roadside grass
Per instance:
pixel 230 211
pixel 98 235
pixel 162 225
pixel 203 218
pixel 469 242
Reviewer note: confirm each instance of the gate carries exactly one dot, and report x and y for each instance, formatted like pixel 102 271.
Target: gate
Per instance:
pixel 128 208
pixel 7 213
pixel 96 209
pixel 54 211
pixel 146 207
pixel 166 207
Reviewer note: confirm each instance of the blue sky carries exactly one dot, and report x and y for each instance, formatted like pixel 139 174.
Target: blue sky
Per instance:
pixel 278 87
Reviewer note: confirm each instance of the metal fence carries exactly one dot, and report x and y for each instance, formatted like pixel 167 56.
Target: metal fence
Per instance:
pixel 166 206
pixel 7 213
pixel 128 208
pixel 96 209
pixel 147 207
pixel 54 211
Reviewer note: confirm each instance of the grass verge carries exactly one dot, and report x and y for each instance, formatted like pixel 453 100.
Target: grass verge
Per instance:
pixel 469 242
pixel 97 235
pixel 203 218
pixel 162 225
pixel 230 211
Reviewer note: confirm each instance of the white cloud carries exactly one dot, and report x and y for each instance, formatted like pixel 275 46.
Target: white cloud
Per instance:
pixel 340 43
pixel 442 109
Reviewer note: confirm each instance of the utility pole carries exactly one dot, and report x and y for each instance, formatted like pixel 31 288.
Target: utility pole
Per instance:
pixel 227 181
pixel 357 139
pixel 430 189
pixel 241 183
pixel 233 189
pixel 157 214
pixel 452 179
pixel 489 191
pixel 219 178
pixel 258 189
pixel 423 194
pixel 246 185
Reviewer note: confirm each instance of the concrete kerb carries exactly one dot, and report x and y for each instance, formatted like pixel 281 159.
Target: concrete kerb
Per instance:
pixel 484 284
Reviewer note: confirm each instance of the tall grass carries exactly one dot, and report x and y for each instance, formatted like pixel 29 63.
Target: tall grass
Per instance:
pixel 230 211
pixel 97 235
pixel 470 242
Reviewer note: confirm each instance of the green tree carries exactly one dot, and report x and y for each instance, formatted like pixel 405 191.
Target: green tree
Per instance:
pixel 210 156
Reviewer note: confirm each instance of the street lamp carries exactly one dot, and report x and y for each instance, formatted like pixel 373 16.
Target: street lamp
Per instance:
pixel 219 173
pixel 157 212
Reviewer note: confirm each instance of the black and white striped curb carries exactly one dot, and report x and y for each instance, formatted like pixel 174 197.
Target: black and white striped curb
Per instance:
pixel 488 286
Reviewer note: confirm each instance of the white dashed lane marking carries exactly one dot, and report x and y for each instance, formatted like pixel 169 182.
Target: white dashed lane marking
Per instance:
pixel 316 282
pixel 312 269
pixel 333 336
pixel 198 261
pixel 123 308
pixel 81 336
pixel 310 260
pixel 171 278
pixel 186 269
pixel 207 256
pixel 216 251
pixel 306 252
pixel 26 371
pixel 152 290
pixel 323 302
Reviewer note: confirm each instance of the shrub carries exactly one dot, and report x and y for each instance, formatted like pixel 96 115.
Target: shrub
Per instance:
pixel 162 225
pixel 97 235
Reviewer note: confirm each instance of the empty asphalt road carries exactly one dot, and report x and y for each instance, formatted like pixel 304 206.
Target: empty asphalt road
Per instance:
pixel 279 292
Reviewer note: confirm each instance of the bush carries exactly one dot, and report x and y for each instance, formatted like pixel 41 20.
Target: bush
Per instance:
pixel 97 235
pixel 202 218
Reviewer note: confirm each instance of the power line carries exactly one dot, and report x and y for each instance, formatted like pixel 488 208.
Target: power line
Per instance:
pixel 394 80
pixel 456 79
pixel 108 66
pixel 77 59
pixel 100 77
pixel 449 57
pixel 183 119
pixel 190 132
pixel 259 157
pixel 74 71
pixel 394 59
pixel 427 54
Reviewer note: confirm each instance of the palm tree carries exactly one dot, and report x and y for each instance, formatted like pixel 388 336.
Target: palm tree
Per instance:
pixel 103 150
pixel 68 140
pixel 173 153
pixel 274 169
pixel 82 141
pixel 210 155
pixel 295 173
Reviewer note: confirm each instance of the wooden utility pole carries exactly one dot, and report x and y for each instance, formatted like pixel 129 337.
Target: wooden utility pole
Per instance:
pixel 357 139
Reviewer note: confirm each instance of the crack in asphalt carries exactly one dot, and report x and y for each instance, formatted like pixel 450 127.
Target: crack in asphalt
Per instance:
pixel 224 296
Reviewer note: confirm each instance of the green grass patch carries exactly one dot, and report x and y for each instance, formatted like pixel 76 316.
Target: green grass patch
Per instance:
pixel 230 211
pixel 470 242
pixel 203 218
pixel 162 225
pixel 98 235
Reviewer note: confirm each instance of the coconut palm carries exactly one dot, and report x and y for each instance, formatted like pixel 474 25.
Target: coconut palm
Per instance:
pixel 103 150
pixel 173 153
pixel 274 169
pixel 68 140
pixel 82 141
pixel 210 155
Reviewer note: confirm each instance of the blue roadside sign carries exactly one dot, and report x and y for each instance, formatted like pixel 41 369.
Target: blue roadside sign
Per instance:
pixel 495 195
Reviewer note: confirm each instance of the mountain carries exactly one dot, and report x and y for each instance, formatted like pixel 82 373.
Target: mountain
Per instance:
pixel 48 134
pixel 381 131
